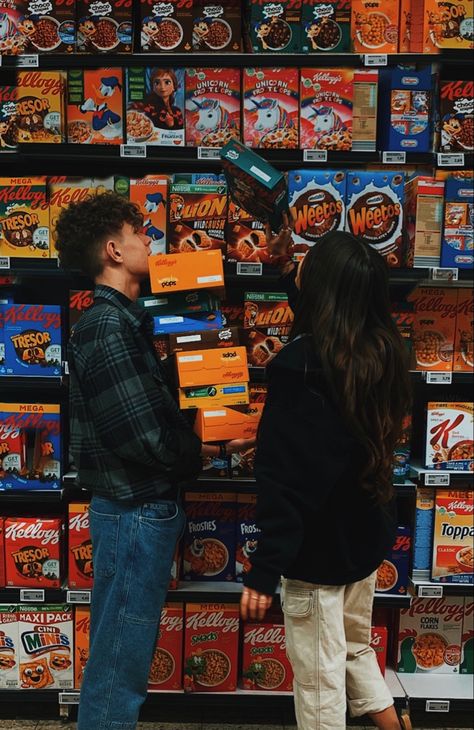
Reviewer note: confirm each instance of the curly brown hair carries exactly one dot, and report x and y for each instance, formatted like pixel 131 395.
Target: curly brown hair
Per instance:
pixel 82 229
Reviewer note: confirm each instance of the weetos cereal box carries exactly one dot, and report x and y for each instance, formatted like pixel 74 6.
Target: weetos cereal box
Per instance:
pixel 80 570
pixel 326 108
pixel 150 193
pixel 270 108
pixel 212 106
pixel 40 106
pixel 247 534
pixel 9 650
pixel 8 126
pixel 209 540
pixel 46 647
pixel 467 646
pixel 167 665
pixel 104 27
pixel 95 106
pixel 82 625
pixel 449 442
pixel 155 106
pixel 197 217
pixel 434 327
pixel 166 26
pixel 24 218
pixel 453 548
pixel 374 26
pixel 265 665
pixel 392 575
pixel 32 335
pixel 464 341
pixel 33 552
pixel 211 643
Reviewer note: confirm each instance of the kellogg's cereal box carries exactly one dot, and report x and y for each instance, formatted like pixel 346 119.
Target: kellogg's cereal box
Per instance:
pixel 467 646
pixel 245 236
pixel 95 106
pixel 374 26
pixel 150 193
pixel 166 26
pixel 8 123
pixel 212 106
pixel 40 106
pixel 449 443
pixel 24 219
pixel 392 574
pixel 33 554
pixel 167 665
pixel 80 568
pixel 12 457
pixel 2 547
pixel 82 626
pixel 79 301
pixel 434 327
pixel 155 106
pixel 217 26
pixel 104 27
pixel 209 540
pixel 275 26
pixel 46 647
pixel 423 533
pixel 325 26
pixel 247 533
pixel 211 643
pixel 265 665
pixel 379 643
pixel 72 190
pixel 9 649
pixel 457 115
pixel 12 40
pixel 464 340
pixel 457 248
pixel 197 216
pixel 270 108
pixel 402 449
pixel 453 560
pixel 326 97
pixel 32 335
pixel 48 26
pixel 439 24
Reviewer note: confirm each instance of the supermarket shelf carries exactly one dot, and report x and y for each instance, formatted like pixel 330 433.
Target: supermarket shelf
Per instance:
pixel 454 688
pixel 428 589
pixel 457 378
pixel 30 496
pixel 14 595
pixel 442 478
pixel 29 383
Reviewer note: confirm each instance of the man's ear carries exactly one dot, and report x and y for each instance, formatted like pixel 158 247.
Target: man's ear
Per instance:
pixel 112 251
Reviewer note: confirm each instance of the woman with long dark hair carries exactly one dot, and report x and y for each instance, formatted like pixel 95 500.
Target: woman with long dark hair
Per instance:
pixel 337 394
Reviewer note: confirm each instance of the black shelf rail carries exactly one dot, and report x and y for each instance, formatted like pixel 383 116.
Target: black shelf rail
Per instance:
pixel 32 496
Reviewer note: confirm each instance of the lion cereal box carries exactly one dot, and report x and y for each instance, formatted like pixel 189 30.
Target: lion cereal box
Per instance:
pixel 266 309
pixel 82 625
pixel 392 574
pixel 80 570
pixel 166 26
pixel 325 26
pixel 464 340
pixel 167 665
pixel 150 193
pixel 449 442
pixel 211 644
pixel 104 27
pixel 405 109
pixel 467 646
pixel 213 396
pixel 379 643
pixel 424 203
pixel 40 106
pixel 245 237
pixel 264 343
pixel 79 301
pixel 209 539
pixel 212 106
pixel 265 664
pixel 270 108
pixel 2 547
pixel 155 106
pixel 374 26
pixel 179 272
pixel 241 462
pixel 197 217
pixel 423 533
pixel 364 109
pixel 204 367
pixel 275 26
pixel 437 24
pixel 8 118
pixel 217 26
pixel 46 647
pixel 48 26
pixel 247 534
pixel 24 219
pixel 95 106
pixel 434 327
pixel 458 233
pixel 428 638
pixel 374 212
pixel 9 649
pixel 33 551
pixel 32 335
pixel 326 97
pixel 453 549
pixel 72 190
pixel 457 116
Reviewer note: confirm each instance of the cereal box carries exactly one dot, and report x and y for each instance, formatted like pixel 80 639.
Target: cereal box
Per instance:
pixel 379 643
pixel 197 216
pixel 40 106
pixel 167 665
pixel 247 534
pixel 150 193
pixel 178 272
pixel 429 636
pixel 213 395
pixel 423 533
pixel 211 644
pixel 72 190
pixel 212 106
pixel 32 335
pixel 464 340
pixel 449 442
pixel 9 649
pixel 209 540
pixel 242 462
pixel 12 40
pixel 204 367
pixel 374 26
pixel 166 26
pixel 365 91
pixel 8 118
pixel 374 212
pixel 12 455
pixel 424 203
pixel 79 301
pixel 325 26
pixel 402 450
pixel 48 26
pixel 265 664
pixel 245 236
pixel 436 24
pixel 266 309
pixel 405 116
pixel 82 625
pixel 95 106
pixel 317 206
pixel 457 248
pixel 392 575
pixel 217 26
pixel 225 424
pixel 467 645
pixel 46 647
pixel 80 569
pixel 457 116
pixel 2 547
pixel 326 97
pixel 155 106
pixel 24 219
pixel 227 337
pixel 270 108
pixel 33 551
pixel 104 27
pixel 434 327
pixel 453 548
pixel 275 26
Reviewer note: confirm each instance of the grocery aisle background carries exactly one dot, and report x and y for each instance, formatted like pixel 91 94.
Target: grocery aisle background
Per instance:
pixel 58 725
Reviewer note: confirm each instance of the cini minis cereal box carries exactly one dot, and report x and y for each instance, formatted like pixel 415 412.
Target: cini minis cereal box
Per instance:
pixel 40 114
pixel 166 26
pixel 167 665
pixel 265 665
pixel 449 443
pixel 270 108
pixel 211 644
pixel 434 327
pixel 9 649
pixel 82 623
pixel 46 639
pixel 379 643
pixel 209 539
pixel 326 97
pixel 104 27
pixel 33 552
pixel 212 106
pixel 155 106
pixel 32 334
pixel 374 26
pixel 8 118
pixel 467 646
pixel 24 218
pixel 392 574
pixel 464 340
pixel 453 549
pixel 150 193
pixel 217 26
pixel 457 116
pixel 325 26
pixel 80 568
pixel 95 106
pixel 247 534
pixel 197 216
pixel 457 248
pixel 424 204
pixel 275 26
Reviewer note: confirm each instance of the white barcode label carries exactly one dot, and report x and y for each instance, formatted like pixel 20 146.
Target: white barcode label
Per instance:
pixel 437 480
pixel 190 358
pixel 243 269
pixel 188 338
pixel 375 59
pixel 430 591
pixel 315 155
pixel 208 153
pixel 394 158
pixel 133 150
pixel 4 262
pixel 170 320
pixel 28 595
pixel 445 273
pixel 439 378
pixel 450 159
pixel 69 698
pixel 213 279
pixel 215 414
pixel 31 61
pixel 437 705
pixel 78 597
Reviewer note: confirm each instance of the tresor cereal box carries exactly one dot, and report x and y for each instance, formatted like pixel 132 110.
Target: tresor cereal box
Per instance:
pixel 167 665
pixel 449 443
pixel 94 106
pixel 453 549
pixel 32 335
pixel 326 97
pixel 24 218
pixel 155 106
pixel 46 647
pixel 265 664
pixel 40 106
pixel 209 540
pixel 82 625
pixel 80 569
pixel 9 650
pixel 33 552
pixel 211 644
pixel 270 108
pixel 104 27
pixel 392 574
pixel 212 106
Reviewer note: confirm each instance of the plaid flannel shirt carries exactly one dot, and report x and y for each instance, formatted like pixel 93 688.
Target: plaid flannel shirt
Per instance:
pixel 129 440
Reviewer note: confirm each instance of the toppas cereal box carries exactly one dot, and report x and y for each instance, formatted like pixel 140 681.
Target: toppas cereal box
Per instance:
pixel 32 335
pixel 82 626
pixel 40 106
pixel 247 534
pixel 457 115
pixel 72 190
pixel 326 97
pixel 453 549
pixel 317 205
pixel 270 108
pixel 24 218
pixel 212 106
pixel 8 118
pixel 79 301
pixel 429 636
pixel 449 443
pixel 197 217
pixel 374 26
pixel 204 367
pixel 150 193
pixel 33 551
pixel 275 26
pixel 209 540
pixel 265 665
pixel 46 647
pixel 464 341
pixel 167 665
pixel 392 575
pixel 182 271
pixel 245 236
pixel 434 327
pixel 325 26
pixel 424 204
pixel 9 649
pixel 217 26
pixel 95 106
pixel 467 646
pixel 104 27
pixel 406 109
pixel 80 569
pixel 211 644
pixel 48 26
pixel 379 643
pixel 166 25
pixel 457 248
pixel 267 323
pixel 155 106
pixel 374 212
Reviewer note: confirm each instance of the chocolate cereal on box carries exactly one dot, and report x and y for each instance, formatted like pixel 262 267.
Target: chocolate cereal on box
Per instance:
pixel 46 647
pixel 326 97
pixel 33 552
pixel 212 106
pixel 24 218
pixel 457 115
pixel 196 217
pixel 166 26
pixel 270 108
pixel 217 26
pixel 40 106
pixel 48 26
pixel 275 26
pixel 155 106
pixel 104 27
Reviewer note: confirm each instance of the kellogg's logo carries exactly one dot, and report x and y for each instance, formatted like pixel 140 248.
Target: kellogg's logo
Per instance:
pixel 168 622
pixel 81 300
pixel 32 531
pixel 46 84
pixel 23 193
pixel 266 635
pixel 435 607
pixel 457 89
pixel 213 620
pixel 33 313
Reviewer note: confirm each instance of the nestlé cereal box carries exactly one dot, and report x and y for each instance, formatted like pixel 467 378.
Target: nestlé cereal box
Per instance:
pixel 155 106
pixel 326 97
pixel 213 98
pixel 104 27
pixel 275 26
pixel 247 534
pixel 449 443
pixel 457 115
pixel 32 335
pixel 46 647
pixel 265 664
pixel 453 549
pixel 211 644
pixel 325 26
pixel 150 193
pixel 9 649
pixel 217 26
pixel 33 551
pixel 434 327
pixel 467 645
pixel 209 539
pixel 266 309
pixel 392 574
pixel 40 106
pixel 197 216
pixel 80 569
pixel 8 118
pixel 374 26
pixel 24 219
pixel 95 106
pixel 166 25
pixel 270 107
pixel 464 340
pixel 167 665
pixel 82 626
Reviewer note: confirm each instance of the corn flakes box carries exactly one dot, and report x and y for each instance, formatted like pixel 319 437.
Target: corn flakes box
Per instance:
pixel 449 442
pixel 211 644
pixel 80 568
pixel 150 193
pixel 46 639
pixel 8 123
pixel 209 539
pixel 33 556
pixel 40 115
pixel 270 108
pixel 104 27
pixel 265 664
pixel 217 26
pixel 197 216
pixel 326 97
pixel 467 646
pixel 275 26
pixel 95 106
pixel 247 534
pixel 457 116
pixel 464 339
pixel 379 643
pixel 155 106
pixel 212 106
pixel 166 26
pixel 453 560
pixel 24 218
pixel 9 649
pixel 434 327
pixel 325 26
pixel 457 247
pixel 245 236
pixel 392 574
pixel 33 340
pixel 374 26
pixel 48 26
pixel 82 627
pixel 167 664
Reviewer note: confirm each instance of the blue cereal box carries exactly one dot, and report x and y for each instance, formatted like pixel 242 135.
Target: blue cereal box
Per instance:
pixel 32 334
pixel 457 246
pixel 209 539
pixel 392 575
pixel 405 117
pixel 197 322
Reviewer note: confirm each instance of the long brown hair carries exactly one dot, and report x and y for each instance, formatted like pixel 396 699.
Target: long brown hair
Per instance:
pixel 344 304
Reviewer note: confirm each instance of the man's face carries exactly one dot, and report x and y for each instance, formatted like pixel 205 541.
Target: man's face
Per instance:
pixel 135 249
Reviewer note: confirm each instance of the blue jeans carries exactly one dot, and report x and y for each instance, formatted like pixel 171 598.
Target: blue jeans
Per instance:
pixel 133 550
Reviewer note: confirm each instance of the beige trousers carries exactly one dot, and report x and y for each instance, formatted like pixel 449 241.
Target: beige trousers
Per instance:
pixel 328 631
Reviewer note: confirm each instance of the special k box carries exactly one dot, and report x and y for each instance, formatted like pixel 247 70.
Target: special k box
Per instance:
pixel 80 570
pixel 467 646
pixel 270 107
pixel 32 334
pixel 40 106
pixel 214 396
pixel 434 327
pixel 82 627
pixel 374 26
pixel 464 339
pixel 247 534
pixel 449 436
pixel 197 217
pixel 205 367
pixel 33 552
pixel 379 643
pixel 95 106
pixel 211 644
pixel 453 560
pixel 72 190
pixel 212 106
pixel 326 96
pixel 24 218
pixel 167 665
pixel 79 301
pixel 46 639
pixel 224 424
pixel 265 664
pixel 209 539
pixel 9 649
pixel 178 272
pixel 150 193
pixel 104 27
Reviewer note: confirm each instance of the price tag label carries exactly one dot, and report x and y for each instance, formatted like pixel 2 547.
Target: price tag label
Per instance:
pixel 78 597
pixel 445 273
pixel 4 262
pixel 451 159
pixel 66 367
pixel 439 378
pixel 437 480
pixel 243 269
pixel 69 698
pixel 437 706
pixel 394 158
pixel 430 591
pixel 28 595
pixel 31 61
pixel 375 59
pixel 315 155
pixel 133 150
pixel 0 60
pixel 209 153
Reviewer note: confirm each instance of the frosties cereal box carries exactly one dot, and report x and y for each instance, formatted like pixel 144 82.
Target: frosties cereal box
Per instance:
pixel 265 664
pixel 40 106
pixel 449 442
pixel 95 106
pixel 434 327
pixel 46 639
pixel 467 646
pixel 82 626
pixel 72 190
pixel 166 26
pixel 33 551
pixel 197 216
pixel 374 26
pixel 150 193
pixel 104 27
pixel 209 539
pixel 212 106
pixel 9 649
pixel 155 106
pixel 453 560
pixel 270 108
pixel 464 340
pixel 167 665
pixel 80 569
pixel 32 334
pixel 8 125
pixel 24 219
pixel 211 645
pixel 247 534
pixel 326 96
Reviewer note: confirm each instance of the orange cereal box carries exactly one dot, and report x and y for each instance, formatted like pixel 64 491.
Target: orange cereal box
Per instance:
pixel 434 326
pixel 24 217
pixel 405 29
pixel 449 443
pixel 46 640
pixel 82 626
pixel 374 26
pixel 95 106
pixel 179 272
pixel 464 339
pixel 270 108
pixel 9 650
pixel 40 113
pixel 167 665
pixel 212 106
pixel 211 644
pixel 245 236
pixel 326 97
pixel 437 24
pixel 33 552
pixel 197 216
pixel 80 571
pixel 453 559
pixel 265 664
pixel 150 193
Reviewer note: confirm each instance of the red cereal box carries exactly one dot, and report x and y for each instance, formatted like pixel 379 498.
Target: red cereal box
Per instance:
pixel 209 540
pixel 24 218
pixel 211 643
pixel 434 327
pixel 266 309
pixel 2 553
pixel 464 340
pixel 46 647
pixel 9 650
pixel 467 645
pixel 270 108
pixel 212 106
pixel 80 571
pixel 79 301
pixel 40 106
pixel 33 552
pixel 104 27
pixel 326 97
pixel 265 665
pixel 48 26
pixel 175 566
pixel 247 534
pixel 8 125
pixel 379 643
pixel 95 106
pixel 167 665
pixel 12 449
pixel 197 216
pixel 82 627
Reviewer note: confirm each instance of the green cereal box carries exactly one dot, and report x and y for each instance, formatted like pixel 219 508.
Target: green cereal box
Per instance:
pixel 275 26
pixel 325 26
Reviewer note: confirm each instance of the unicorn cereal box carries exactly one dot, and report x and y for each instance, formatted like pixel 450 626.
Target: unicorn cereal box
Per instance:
pixel 94 106
pixel 270 108
pixel 155 106
pixel 212 106
pixel 326 97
